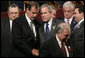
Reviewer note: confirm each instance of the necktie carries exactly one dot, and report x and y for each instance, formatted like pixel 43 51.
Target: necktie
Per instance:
pixel 76 26
pixel 47 31
pixel 68 21
pixel 63 49
pixel 31 25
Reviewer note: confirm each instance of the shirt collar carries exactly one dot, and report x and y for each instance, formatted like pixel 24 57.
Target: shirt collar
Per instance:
pixel 50 22
pixel 59 42
pixel 28 19
pixel 70 20
pixel 81 21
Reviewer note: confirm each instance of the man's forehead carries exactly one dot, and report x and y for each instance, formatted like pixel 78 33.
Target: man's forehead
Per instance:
pixel 68 8
pixel 65 31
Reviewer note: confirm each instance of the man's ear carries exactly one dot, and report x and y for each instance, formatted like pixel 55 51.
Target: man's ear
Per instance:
pixel 82 14
pixel 58 32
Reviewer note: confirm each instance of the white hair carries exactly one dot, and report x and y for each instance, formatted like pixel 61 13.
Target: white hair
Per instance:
pixel 63 26
pixel 69 4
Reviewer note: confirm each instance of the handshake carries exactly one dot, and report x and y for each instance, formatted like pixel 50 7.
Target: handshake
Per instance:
pixel 35 52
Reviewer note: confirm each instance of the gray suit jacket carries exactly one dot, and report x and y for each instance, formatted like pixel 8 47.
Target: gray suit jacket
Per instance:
pixel 77 41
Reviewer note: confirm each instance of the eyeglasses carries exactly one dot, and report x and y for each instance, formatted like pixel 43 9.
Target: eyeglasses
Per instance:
pixel 13 13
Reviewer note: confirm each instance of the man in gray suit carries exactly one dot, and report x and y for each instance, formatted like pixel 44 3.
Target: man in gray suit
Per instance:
pixel 77 36
pixel 48 25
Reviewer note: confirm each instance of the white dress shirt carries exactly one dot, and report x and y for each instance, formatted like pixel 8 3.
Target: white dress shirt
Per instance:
pixel 70 20
pixel 59 42
pixel 77 25
pixel 80 21
pixel 10 24
pixel 49 25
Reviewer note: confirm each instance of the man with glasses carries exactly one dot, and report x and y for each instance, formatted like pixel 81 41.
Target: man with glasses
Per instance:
pixel 6 29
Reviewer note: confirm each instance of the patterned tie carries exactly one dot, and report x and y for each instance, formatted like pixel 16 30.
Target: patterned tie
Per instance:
pixel 68 21
pixel 63 49
pixel 31 25
pixel 47 31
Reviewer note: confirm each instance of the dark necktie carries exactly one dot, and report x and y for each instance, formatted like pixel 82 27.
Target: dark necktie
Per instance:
pixel 63 49
pixel 47 31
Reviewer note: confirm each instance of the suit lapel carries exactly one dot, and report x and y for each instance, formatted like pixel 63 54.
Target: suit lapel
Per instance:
pixel 57 47
pixel 26 25
pixel 80 26
pixel 73 23
pixel 53 24
pixel 42 34
pixel 8 25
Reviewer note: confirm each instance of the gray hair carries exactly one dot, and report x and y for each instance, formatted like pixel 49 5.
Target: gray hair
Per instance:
pixel 48 6
pixel 62 26
pixel 53 7
pixel 13 6
pixel 33 3
pixel 69 4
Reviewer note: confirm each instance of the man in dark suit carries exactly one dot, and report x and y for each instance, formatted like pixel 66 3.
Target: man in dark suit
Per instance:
pixel 25 33
pixel 77 36
pixel 68 8
pixel 47 18
pixel 53 47
pixel 6 30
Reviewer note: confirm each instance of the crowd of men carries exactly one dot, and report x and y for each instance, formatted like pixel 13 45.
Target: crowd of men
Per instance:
pixel 26 36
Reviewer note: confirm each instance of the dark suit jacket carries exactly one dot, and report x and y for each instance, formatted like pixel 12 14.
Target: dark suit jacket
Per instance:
pixel 77 41
pixel 51 48
pixel 23 38
pixel 73 23
pixel 42 34
pixel 6 37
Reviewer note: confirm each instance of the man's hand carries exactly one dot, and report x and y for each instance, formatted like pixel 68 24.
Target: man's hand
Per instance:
pixel 35 52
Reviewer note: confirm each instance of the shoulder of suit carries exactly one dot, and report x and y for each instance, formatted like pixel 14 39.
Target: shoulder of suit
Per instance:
pixel 61 18
pixel 4 20
pixel 20 18
pixel 58 20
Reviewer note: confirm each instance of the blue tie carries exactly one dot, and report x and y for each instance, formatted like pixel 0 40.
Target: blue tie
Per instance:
pixel 76 26
pixel 47 31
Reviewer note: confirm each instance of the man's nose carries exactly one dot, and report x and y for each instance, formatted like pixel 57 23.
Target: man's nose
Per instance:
pixel 35 15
